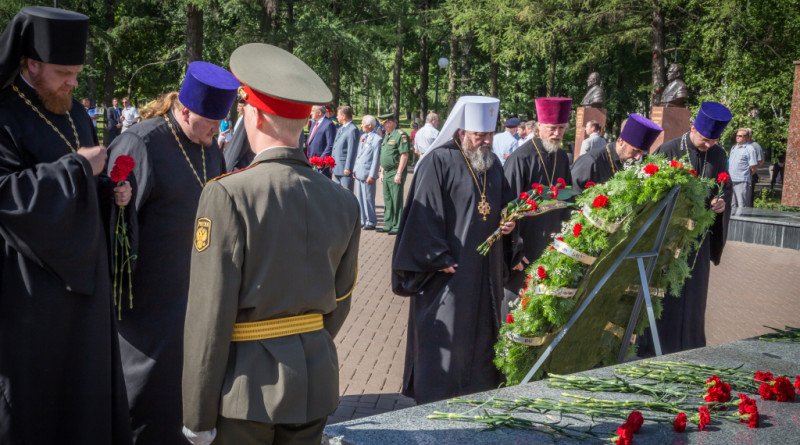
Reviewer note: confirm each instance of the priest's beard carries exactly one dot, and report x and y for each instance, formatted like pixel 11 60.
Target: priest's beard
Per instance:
pixel 57 102
pixel 550 146
pixel 481 157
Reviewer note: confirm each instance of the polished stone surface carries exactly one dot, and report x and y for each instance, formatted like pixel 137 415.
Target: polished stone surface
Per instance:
pixel 582 116
pixel 674 120
pixel 766 227
pixel 780 422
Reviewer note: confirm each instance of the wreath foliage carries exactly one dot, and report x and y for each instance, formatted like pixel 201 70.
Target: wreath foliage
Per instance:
pixel 633 194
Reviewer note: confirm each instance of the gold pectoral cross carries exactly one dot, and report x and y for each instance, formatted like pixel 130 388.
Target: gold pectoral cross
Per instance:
pixel 483 207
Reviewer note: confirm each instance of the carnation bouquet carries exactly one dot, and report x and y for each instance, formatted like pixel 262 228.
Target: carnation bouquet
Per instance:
pixel 123 167
pixel 580 254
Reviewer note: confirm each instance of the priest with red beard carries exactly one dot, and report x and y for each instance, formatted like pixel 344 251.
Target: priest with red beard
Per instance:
pixel 539 161
pixel 60 373
pixel 453 205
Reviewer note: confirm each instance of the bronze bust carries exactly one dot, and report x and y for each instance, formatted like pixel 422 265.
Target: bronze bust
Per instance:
pixel 595 96
pixel 676 92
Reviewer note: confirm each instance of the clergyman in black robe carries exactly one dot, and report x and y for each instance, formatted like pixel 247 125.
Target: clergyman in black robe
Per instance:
pixel 167 196
pixel 454 318
pixel 683 320
pixel 60 374
pixel 529 164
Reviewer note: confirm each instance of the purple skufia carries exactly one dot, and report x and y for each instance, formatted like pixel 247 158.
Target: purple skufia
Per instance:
pixel 711 120
pixel 640 132
pixel 208 90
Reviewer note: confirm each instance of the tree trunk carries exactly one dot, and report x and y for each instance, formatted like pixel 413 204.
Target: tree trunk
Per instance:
pixel 551 78
pixel 493 69
pixel 91 82
pixel 336 74
pixel 451 72
pixel 398 67
pixel 466 66
pixel 365 93
pixel 290 25
pixel 109 69
pixel 194 33
pixel 657 67
pixel 424 64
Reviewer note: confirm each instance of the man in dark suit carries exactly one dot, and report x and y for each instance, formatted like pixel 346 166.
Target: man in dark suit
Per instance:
pixel 344 148
pixel 112 117
pixel 320 136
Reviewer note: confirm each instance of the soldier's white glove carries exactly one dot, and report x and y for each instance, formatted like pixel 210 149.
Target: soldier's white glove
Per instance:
pixel 201 437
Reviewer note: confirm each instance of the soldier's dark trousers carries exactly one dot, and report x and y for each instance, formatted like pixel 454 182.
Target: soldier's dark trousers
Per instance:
pixel 246 432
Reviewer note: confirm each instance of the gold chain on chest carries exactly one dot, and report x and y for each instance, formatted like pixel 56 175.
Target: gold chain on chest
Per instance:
pixel 544 166
pixel 483 206
pixel 202 153
pixel 74 130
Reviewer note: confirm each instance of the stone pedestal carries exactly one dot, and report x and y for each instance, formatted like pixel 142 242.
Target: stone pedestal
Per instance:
pixel 791 171
pixel 674 120
pixel 582 116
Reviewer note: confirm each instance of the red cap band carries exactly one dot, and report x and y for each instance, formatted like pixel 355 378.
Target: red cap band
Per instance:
pixel 273 105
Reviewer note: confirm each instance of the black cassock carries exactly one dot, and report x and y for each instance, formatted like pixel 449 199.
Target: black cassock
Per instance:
pixel 151 334
pixel 683 320
pixel 60 375
pixel 453 319
pixel 597 166
pixel 533 234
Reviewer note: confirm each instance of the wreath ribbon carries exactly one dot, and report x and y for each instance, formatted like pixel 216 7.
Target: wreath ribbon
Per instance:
pixel 598 222
pixel 634 289
pixel 576 255
pixel 527 341
pixel 560 292
pixel 615 330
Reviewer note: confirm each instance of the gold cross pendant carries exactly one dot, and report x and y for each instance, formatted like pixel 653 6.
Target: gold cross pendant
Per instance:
pixel 483 207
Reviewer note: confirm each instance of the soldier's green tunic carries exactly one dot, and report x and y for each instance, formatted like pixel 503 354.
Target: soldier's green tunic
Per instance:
pixel 271 248
pixel 393 146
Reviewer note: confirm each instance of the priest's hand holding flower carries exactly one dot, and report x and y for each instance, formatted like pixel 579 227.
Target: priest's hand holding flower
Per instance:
pixel 123 193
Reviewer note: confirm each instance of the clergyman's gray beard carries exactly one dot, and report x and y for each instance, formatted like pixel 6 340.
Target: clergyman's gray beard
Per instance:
pixel 550 147
pixel 480 158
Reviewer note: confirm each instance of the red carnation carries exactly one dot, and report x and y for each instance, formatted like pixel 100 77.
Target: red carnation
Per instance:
pixel 693 172
pixel 797 383
pixel 650 169
pixel 524 301
pixel 765 391
pixel 576 230
pixel 553 192
pixel 532 203
pixel 783 389
pixel 635 421
pixel 717 390
pixel 625 433
pixel 123 167
pixel 561 184
pixel 510 318
pixel 537 188
pixel 705 417
pixel 675 164
pixel 600 201
pixel 560 238
pixel 763 376
pixel 589 184
pixel 329 161
pixel 723 177
pixel 541 272
pixel 748 410
pixel 316 161
pixel 524 196
pixel 680 422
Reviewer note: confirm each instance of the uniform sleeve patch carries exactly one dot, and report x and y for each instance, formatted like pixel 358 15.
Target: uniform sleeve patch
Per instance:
pixel 202 236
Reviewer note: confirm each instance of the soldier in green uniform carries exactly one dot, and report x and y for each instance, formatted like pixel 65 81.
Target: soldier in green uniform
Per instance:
pixel 271 275
pixel 394 158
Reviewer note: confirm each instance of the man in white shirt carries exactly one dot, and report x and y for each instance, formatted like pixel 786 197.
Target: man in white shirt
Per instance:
pixel 505 143
pixel 426 135
pixel 594 140
pixel 130 115
pixel 742 163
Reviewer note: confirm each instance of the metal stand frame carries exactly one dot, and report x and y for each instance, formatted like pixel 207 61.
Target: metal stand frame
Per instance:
pixel 666 207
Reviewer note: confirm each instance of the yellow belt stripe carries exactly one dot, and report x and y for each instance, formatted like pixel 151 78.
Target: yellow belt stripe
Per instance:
pixel 282 327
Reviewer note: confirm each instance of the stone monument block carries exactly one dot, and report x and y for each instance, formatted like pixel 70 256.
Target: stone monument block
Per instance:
pixel 791 171
pixel 674 120
pixel 582 116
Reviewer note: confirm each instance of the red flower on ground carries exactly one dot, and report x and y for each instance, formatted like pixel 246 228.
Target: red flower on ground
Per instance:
pixel 635 421
pixel 533 204
pixel 650 169
pixel 765 391
pixel 680 423
pixel 763 376
pixel 553 192
pixel 675 164
pixel 541 272
pixel 561 184
pixel 589 184
pixel 524 196
pixel 510 318
pixel 797 383
pixel 329 161
pixel 783 389
pixel 717 390
pixel 600 201
pixel 723 177
pixel 537 188
pixel 748 410
pixel 576 229
pixel 625 434
pixel 693 172
pixel 705 417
